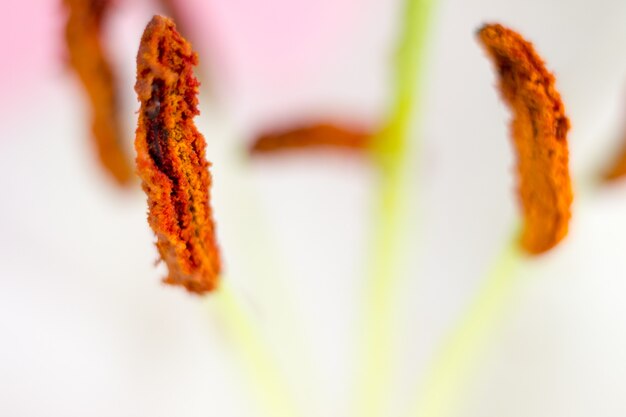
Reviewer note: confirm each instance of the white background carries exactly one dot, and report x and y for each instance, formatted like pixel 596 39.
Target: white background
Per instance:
pixel 86 329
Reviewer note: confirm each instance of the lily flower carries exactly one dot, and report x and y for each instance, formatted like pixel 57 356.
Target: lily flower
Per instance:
pixel 88 330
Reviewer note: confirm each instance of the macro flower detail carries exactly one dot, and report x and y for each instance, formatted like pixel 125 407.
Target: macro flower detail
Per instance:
pixel 539 130
pixel 318 135
pixel 171 158
pixel 83 32
pixel 385 178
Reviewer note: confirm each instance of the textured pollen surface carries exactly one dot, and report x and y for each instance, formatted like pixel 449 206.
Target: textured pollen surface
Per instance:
pixel 539 129
pixel 171 158
pixel 311 136
pixel 83 36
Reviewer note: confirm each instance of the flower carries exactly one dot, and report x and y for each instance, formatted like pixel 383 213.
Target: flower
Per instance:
pixel 86 328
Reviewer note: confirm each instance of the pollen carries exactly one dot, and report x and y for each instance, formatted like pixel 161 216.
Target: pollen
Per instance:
pixel 171 159
pixel 539 130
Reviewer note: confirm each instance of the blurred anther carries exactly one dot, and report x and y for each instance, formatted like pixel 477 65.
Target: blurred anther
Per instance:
pixel 617 169
pixel 322 135
pixel 83 33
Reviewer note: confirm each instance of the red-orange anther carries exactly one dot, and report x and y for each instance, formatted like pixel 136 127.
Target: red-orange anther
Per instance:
pixel 312 136
pixel 83 36
pixel 617 169
pixel 171 158
pixel 539 129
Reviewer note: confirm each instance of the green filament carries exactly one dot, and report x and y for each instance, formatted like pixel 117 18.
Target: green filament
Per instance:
pixel 462 349
pixel 391 145
pixel 391 149
pixel 270 388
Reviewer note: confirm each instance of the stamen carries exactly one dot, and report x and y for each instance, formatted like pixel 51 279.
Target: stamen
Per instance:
pixel 322 135
pixel 83 33
pixel 171 158
pixel 617 170
pixel 539 129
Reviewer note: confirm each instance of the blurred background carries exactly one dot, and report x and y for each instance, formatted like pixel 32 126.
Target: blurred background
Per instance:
pixel 86 327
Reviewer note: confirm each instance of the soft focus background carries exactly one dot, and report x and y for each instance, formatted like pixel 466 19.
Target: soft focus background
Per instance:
pixel 87 329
